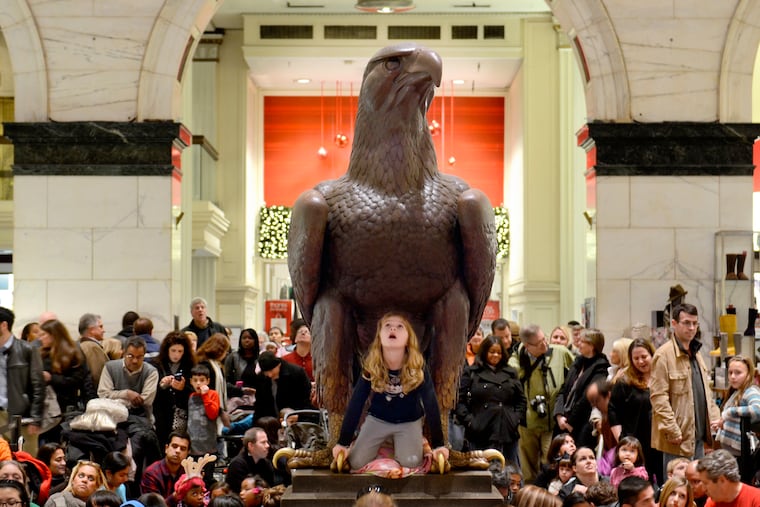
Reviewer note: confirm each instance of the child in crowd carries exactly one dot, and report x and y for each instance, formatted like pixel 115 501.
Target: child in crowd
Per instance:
pixel 564 473
pixel 629 461
pixel 601 494
pixel 202 413
pixel 220 488
pixel 743 401
pixel 190 489
pixel 252 490
pixel 677 467
pixel 394 373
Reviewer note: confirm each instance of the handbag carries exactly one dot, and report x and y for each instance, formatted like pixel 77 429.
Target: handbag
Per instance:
pixel 179 421
pixel 51 410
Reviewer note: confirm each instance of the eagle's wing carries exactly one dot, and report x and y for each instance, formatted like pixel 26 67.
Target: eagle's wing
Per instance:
pixel 305 245
pixel 478 232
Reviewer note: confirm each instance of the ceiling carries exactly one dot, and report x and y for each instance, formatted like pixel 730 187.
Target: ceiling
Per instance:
pixel 484 68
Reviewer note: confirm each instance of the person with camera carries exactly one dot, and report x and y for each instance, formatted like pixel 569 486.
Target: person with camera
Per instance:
pixel 541 369
pixel 491 402
pixel 174 361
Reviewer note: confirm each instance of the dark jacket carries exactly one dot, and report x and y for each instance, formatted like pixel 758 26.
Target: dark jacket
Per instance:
pixel 73 387
pixel 26 385
pixel 572 401
pixel 237 367
pixel 293 391
pixel 243 465
pixel 491 405
pixel 203 334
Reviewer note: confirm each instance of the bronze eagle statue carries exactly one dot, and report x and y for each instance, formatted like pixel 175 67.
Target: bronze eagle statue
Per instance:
pixel 392 234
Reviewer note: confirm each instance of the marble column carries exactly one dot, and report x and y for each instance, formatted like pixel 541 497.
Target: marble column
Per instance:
pixel 658 194
pixel 93 219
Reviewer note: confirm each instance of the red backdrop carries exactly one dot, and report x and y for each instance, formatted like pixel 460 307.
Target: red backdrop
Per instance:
pixel 293 134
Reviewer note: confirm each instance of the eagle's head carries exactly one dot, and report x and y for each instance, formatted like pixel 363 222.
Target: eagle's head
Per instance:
pixel 393 148
pixel 401 76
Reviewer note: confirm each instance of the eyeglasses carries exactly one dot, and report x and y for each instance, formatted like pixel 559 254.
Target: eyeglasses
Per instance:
pixel 372 488
pixel 10 503
pixel 132 356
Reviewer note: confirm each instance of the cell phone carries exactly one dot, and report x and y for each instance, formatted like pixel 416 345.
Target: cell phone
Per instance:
pixel 178 376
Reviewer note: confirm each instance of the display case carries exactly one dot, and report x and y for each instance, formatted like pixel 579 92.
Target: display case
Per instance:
pixel 734 276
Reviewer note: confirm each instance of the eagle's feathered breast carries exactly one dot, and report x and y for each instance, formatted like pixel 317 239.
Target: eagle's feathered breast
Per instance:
pixel 414 235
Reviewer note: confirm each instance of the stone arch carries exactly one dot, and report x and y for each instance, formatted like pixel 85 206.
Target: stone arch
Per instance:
pixel 170 47
pixel 737 66
pixel 27 59
pixel 588 24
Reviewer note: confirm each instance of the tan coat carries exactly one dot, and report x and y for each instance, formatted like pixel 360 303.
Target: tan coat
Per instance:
pixel 96 358
pixel 673 400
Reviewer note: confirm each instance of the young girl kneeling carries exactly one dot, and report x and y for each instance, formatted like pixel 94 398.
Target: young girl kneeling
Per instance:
pixel 395 376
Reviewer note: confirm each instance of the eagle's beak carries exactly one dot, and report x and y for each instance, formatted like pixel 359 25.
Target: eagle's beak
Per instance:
pixel 425 60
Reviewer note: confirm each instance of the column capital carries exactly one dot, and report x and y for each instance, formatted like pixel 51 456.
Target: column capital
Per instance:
pixel 94 148
pixel 670 148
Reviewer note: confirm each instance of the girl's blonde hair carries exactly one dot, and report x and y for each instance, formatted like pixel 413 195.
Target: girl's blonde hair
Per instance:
pixel 412 371
pixel 747 382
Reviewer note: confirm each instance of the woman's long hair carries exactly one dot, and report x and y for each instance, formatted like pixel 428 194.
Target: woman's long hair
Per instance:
pixel 63 352
pixel 215 347
pixel 747 382
pixel 671 485
pixel 187 361
pixel 412 371
pixel 632 375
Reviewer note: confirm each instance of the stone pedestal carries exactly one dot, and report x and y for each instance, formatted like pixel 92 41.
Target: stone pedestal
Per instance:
pixel 457 489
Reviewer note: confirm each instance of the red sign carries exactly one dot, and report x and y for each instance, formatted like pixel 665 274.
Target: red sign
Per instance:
pixel 278 313
pixel 492 310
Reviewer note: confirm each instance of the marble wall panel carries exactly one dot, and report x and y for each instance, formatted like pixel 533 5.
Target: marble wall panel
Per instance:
pixel 705 10
pixel 694 254
pixel 613 203
pixel 154 302
pixel 92 201
pixel 31 201
pixel 735 200
pixel 29 301
pixel 139 254
pixel 133 8
pixel 52 254
pixel 108 298
pixel 624 253
pixel 154 201
pixel 93 95
pixel 613 308
pixel 94 43
pixel 671 201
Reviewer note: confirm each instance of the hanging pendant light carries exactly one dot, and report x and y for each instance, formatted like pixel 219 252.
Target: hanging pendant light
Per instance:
pixel 452 158
pixel 322 152
pixel 341 139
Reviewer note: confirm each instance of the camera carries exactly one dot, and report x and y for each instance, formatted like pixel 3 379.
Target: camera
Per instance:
pixel 178 376
pixel 539 405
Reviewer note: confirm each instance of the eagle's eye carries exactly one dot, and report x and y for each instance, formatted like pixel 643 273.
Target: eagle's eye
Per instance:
pixel 393 63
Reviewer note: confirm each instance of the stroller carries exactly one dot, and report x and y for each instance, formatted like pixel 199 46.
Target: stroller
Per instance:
pixel 309 431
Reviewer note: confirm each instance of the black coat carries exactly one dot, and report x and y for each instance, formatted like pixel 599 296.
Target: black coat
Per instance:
pixel 26 385
pixel 572 401
pixel 491 405
pixel 293 391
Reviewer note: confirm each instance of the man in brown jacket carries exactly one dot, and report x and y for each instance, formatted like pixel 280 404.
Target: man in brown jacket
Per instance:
pixel 683 408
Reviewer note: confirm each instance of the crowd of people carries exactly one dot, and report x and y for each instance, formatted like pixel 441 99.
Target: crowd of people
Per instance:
pixel 185 420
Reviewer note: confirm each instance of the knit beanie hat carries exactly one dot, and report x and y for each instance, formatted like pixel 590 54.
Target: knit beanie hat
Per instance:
pixel 268 361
